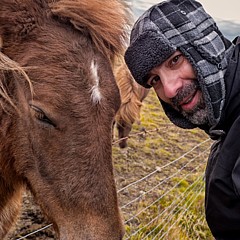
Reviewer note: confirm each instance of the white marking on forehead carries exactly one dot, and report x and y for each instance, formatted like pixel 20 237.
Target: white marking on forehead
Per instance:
pixel 95 90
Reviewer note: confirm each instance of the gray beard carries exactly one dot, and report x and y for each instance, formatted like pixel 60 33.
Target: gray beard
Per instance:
pixel 198 115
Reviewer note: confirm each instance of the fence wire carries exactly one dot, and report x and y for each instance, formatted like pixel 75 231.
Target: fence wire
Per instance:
pixel 162 203
pixel 161 210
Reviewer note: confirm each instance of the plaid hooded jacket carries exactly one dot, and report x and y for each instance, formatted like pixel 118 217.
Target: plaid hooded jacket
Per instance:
pixel 222 201
pixel 184 25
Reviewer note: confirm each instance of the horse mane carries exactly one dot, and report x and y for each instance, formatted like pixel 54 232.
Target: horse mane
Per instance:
pixel 129 110
pixel 8 65
pixel 107 28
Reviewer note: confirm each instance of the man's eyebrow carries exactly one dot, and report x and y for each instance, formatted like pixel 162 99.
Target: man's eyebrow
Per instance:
pixel 147 76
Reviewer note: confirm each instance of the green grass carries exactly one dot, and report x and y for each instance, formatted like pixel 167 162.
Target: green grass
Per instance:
pixel 170 203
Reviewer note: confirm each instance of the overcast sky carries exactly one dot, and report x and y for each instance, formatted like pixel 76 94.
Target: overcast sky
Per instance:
pixel 225 12
pixel 223 9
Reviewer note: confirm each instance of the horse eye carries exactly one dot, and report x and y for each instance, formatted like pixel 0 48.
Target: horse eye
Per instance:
pixel 41 116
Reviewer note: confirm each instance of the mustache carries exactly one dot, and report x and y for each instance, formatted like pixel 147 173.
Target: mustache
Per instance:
pixel 184 92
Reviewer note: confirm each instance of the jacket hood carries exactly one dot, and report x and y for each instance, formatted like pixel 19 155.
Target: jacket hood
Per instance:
pixel 231 109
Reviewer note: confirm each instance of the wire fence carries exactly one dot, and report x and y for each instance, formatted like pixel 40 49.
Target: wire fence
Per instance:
pixel 167 202
pixel 160 204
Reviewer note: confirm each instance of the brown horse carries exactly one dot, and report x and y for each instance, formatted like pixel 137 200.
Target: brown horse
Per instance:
pixel 132 95
pixel 58 99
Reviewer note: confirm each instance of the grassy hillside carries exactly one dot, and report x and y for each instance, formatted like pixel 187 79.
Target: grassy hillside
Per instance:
pixel 168 163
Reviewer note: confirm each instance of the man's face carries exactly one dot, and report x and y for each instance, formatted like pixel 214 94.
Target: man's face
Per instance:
pixel 175 83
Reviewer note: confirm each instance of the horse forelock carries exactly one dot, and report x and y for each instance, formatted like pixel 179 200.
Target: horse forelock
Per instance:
pixel 107 24
pixel 8 65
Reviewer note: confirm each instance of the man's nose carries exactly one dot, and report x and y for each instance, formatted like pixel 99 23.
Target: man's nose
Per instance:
pixel 171 85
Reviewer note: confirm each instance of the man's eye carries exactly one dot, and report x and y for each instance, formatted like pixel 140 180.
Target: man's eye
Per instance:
pixel 153 81
pixel 175 60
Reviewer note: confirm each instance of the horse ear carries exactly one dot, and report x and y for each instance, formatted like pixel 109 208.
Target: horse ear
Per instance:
pixel 18 20
pixel 11 21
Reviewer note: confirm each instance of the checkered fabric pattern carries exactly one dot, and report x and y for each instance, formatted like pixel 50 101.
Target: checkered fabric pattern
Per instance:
pixel 181 25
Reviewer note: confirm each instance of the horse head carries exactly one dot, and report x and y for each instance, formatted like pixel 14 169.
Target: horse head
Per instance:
pixel 58 99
